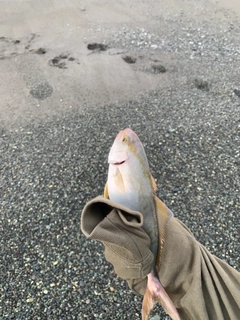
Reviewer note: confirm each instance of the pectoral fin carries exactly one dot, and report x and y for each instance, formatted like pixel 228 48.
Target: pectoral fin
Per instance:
pixel 105 194
pixel 156 293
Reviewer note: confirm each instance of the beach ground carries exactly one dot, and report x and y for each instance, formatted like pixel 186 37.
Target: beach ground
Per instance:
pixel 73 74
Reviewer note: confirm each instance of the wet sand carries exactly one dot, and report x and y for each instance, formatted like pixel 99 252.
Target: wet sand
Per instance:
pixel 47 68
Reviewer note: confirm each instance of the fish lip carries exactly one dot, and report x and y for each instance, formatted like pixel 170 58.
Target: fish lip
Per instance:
pixel 118 163
pixel 118 157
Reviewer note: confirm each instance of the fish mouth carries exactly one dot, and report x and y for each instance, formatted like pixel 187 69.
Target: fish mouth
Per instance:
pixel 117 158
pixel 118 163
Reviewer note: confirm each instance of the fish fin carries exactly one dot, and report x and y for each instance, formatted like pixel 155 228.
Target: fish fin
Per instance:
pixel 156 293
pixel 162 209
pixel 154 185
pixel 147 304
pixel 119 180
pixel 163 216
pixel 105 194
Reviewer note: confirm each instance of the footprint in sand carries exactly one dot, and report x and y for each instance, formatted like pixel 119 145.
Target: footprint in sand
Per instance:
pixel 61 61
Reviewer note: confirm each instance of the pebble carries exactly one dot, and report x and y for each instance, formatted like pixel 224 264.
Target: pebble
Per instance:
pixel 155 318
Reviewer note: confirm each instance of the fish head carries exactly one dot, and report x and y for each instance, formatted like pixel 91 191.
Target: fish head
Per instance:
pixel 126 149
pixel 129 176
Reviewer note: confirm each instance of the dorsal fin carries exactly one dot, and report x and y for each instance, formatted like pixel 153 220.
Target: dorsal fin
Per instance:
pixel 164 214
pixel 154 185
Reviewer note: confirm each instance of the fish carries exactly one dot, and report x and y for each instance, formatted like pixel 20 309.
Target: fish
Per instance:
pixel 131 184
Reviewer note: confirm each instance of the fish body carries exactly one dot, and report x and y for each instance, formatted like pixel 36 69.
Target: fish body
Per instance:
pixel 131 184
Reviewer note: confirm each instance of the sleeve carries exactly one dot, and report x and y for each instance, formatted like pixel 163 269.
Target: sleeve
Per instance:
pixel 126 243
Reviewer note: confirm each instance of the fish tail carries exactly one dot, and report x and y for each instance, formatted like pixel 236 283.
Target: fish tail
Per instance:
pixel 147 304
pixel 154 293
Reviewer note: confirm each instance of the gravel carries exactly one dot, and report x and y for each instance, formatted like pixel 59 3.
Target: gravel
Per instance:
pixel 50 169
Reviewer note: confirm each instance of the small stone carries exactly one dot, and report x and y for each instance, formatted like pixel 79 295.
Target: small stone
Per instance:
pixel 41 51
pixel 175 189
pixel 156 317
pixel 97 46
pixel 237 92
pixel 129 59
pixel 158 68
pixel 201 84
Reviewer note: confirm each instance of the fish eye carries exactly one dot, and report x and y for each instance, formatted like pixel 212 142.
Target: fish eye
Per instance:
pixel 125 140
